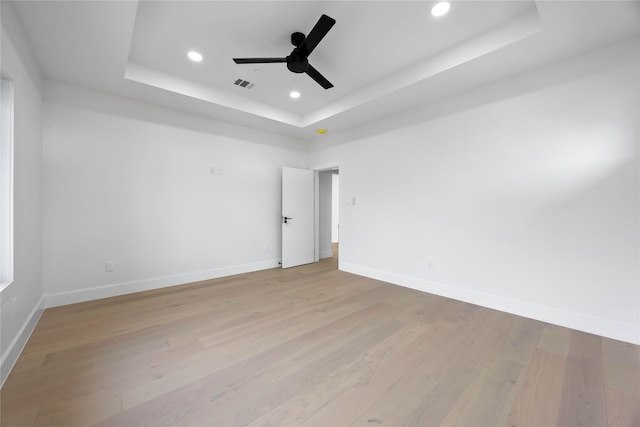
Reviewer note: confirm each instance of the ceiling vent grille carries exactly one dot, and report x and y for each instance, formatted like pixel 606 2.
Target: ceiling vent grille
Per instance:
pixel 243 83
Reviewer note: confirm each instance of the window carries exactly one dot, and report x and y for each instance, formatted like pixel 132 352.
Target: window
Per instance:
pixel 6 183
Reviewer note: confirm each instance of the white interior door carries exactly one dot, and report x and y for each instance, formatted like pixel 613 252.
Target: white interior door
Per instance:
pixel 297 217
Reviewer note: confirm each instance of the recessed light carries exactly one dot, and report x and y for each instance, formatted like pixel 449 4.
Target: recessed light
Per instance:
pixel 295 94
pixel 194 56
pixel 440 8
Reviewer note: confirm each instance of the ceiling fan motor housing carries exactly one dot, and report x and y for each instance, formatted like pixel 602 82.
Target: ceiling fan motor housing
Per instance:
pixel 297 63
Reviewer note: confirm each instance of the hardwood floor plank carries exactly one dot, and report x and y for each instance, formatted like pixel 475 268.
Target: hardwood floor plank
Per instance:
pixel 538 401
pixel 523 339
pixel 555 339
pixel 92 412
pixel 49 415
pixel 487 400
pixel 583 401
pixel 22 419
pixel 621 367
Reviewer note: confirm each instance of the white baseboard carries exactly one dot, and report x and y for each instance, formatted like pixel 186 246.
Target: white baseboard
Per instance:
pixel 10 356
pixel 72 297
pixel 603 327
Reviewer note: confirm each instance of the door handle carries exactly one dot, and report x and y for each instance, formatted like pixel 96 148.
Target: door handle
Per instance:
pixel 285 218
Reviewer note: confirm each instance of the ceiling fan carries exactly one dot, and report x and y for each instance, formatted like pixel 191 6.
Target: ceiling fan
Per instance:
pixel 298 61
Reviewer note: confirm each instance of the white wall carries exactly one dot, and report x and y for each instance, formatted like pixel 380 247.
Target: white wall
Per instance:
pixel 26 289
pixel 131 183
pixel 522 196
pixel 324 235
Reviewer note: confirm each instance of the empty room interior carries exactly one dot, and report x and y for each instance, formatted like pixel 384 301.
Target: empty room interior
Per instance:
pixel 320 213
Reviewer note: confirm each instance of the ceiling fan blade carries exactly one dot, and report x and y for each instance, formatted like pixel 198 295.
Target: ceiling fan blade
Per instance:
pixel 258 60
pixel 318 32
pixel 319 78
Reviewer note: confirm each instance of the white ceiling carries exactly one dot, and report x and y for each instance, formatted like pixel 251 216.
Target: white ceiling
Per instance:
pixel 382 56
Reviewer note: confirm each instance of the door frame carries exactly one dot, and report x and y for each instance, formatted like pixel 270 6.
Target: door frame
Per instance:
pixel 316 203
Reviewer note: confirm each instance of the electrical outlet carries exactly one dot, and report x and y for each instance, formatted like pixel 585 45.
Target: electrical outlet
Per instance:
pixel 266 248
pixel 108 266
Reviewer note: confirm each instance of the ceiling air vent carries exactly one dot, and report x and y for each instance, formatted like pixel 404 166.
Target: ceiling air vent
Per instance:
pixel 244 84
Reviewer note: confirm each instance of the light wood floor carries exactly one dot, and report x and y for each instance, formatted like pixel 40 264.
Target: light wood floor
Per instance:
pixel 313 346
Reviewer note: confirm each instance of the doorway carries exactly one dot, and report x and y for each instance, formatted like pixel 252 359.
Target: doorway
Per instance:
pixel 328 214
pixel 310 215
